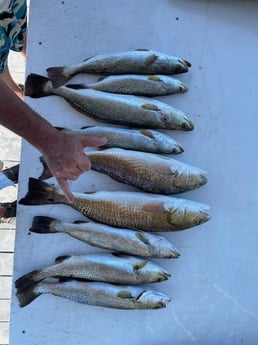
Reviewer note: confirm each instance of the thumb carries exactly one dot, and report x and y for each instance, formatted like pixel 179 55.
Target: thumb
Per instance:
pixel 93 141
pixel 63 184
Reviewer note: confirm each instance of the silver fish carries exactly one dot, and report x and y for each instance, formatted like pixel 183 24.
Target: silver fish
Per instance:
pixel 115 108
pixel 143 211
pixel 111 268
pixel 140 61
pixel 128 241
pixel 97 294
pixel 146 140
pixel 135 84
pixel 146 171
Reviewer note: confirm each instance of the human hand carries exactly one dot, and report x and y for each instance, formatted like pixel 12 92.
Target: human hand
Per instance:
pixel 65 157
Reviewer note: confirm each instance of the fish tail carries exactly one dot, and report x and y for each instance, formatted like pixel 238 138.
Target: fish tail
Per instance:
pixel 37 86
pixel 46 173
pixel 58 75
pixel 28 279
pixel 39 193
pixel 26 296
pixel 43 225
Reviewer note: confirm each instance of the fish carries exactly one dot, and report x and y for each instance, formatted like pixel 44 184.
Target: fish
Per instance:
pixel 144 211
pixel 97 294
pixel 139 61
pixel 146 171
pixel 146 140
pixel 115 108
pixel 127 241
pixel 108 267
pixel 135 84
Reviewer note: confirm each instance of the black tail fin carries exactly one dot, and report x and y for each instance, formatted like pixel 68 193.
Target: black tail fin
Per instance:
pixel 46 173
pixel 26 296
pixel 28 279
pixel 39 193
pixel 42 225
pixel 58 75
pixel 37 86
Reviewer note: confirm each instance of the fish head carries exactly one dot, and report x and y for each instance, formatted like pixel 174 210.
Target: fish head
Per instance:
pixel 151 299
pixel 188 178
pixel 150 270
pixel 185 214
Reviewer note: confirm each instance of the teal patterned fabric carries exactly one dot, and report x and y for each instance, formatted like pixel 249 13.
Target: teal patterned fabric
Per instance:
pixel 13 25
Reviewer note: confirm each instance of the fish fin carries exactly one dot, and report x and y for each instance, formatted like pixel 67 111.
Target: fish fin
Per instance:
pixel 60 128
pixel 141 50
pixel 77 86
pixel 147 133
pixel 151 59
pixel 124 294
pixel 46 173
pixel 58 75
pixel 62 258
pixel 163 168
pixel 42 225
pixel 154 207
pixel 39 193
pixel 78 108
pixel 28 279
pixel 26 296
pixel 37 86
pixel 139 265
pixel 149 106
pixel 154 78
pixel 85 127
pixel 142 238
pixel 120 255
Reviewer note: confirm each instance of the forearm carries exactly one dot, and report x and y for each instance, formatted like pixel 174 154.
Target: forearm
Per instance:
pixel 17 116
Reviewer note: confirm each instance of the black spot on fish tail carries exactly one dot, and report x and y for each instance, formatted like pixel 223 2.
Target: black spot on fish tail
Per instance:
pixel 28 279
pixel 35 86
pixel 39 193
pixel 27 296
pixel 42 225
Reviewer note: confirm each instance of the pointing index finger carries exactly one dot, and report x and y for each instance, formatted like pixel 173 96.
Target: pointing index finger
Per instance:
pixel 63 183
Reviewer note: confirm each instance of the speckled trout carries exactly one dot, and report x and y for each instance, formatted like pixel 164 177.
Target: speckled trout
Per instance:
pixel 97 294
pixel 128 241
pixel 147 171
pixel 114 108
pixel 143 211
pixel 139 61
pixel 135 84
pixel 111 268
pixel 145 140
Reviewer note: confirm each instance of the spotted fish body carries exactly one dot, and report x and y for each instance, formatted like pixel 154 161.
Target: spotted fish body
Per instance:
pixel 135 84
pixel 124 209
pixel 129 241
pixel 147 171
pixel 145 140
pixel 114 108
pixel 141 61
pixel 97 294
pixel 112 268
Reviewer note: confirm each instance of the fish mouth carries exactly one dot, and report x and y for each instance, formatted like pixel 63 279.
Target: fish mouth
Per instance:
pixel 178 149
pixel 187 124
pixel 183 87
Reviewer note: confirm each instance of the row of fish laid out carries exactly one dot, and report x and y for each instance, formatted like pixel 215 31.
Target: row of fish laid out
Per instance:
pixel 114 108
pixel 139 61
pixel 145 140
pixel 135 210
pixel 146 171
pixel 108 268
